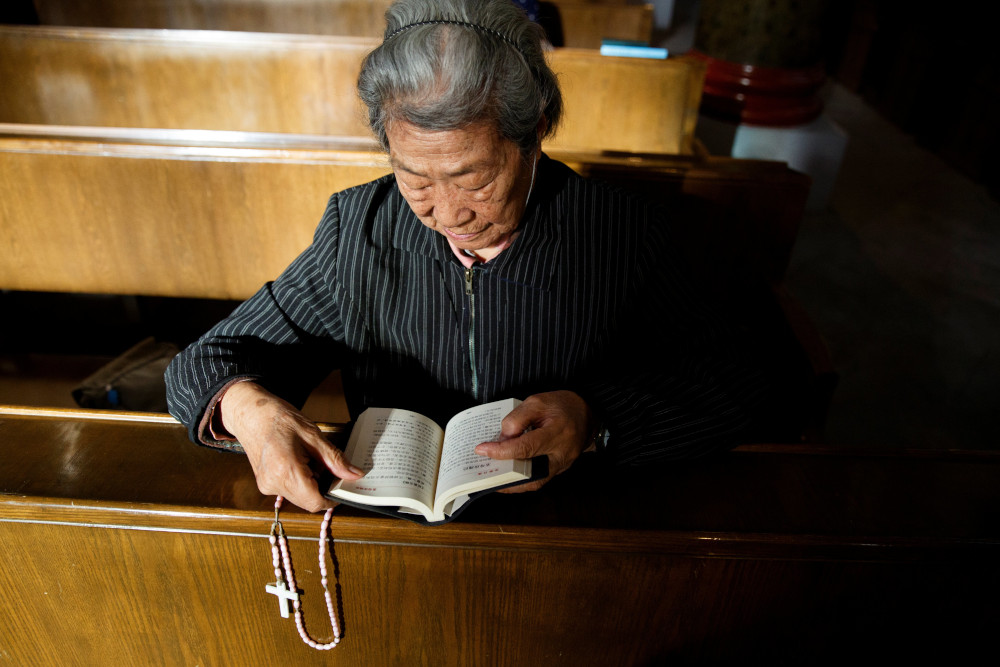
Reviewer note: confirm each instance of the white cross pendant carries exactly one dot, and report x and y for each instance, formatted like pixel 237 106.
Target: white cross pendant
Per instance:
pixel 284 595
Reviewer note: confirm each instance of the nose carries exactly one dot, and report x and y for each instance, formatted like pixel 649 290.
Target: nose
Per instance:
pixel 450 211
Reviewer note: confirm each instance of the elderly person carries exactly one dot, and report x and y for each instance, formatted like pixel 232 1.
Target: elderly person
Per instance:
pixel 480 269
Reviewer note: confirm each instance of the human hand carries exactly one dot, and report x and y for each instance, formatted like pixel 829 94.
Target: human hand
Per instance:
pixel 556 424
pixel 281 444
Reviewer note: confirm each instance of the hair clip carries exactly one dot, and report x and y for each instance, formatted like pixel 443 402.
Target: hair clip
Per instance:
pixel 474 26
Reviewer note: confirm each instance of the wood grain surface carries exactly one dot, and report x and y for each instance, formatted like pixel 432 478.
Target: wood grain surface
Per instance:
pixel 123 542
pixel 582 24
pixel 304 84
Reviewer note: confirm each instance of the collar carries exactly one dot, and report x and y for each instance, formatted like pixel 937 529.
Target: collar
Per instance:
pixel 469 258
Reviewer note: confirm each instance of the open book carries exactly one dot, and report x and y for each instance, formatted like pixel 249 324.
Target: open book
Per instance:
pixel 417 471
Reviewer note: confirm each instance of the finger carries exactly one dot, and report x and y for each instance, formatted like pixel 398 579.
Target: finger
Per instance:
pixel 308 497
pixel 296 482
pixel 524 446
pixel 527 486
pixel 332 457
pixel 519 420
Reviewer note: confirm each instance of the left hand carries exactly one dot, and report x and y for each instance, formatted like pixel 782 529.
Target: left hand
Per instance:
pixel 556 423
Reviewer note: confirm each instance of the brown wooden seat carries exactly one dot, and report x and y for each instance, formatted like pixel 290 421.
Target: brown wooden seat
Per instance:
pixel 776 554
pixel 140 213
pixel 141 218
pixel 107 219
pixel 304 84
pixel 349 18
pixel 585 25
pixel 580 24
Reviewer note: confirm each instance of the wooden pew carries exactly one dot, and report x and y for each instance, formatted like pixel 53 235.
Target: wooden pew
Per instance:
pixel 585 25
pixel 304 84
pixel 353 18
pixel 202 221
pixel 581 24
pixel 123 541
pixel 150 213
pixel 215 214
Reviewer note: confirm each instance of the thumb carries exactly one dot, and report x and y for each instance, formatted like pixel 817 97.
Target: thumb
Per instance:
pixel 519 447
pixel 517 421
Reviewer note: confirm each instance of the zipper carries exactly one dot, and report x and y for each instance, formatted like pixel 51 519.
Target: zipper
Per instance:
pixel 472 329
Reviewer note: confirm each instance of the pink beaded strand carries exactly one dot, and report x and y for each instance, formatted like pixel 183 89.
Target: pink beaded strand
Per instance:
pixel 283 572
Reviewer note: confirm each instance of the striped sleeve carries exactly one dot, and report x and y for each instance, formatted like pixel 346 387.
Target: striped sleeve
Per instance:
pixel 285 337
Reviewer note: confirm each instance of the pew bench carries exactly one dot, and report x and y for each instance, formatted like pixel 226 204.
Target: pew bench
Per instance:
pixel 114 222
pixel 305 84
pixel 579 24
pixel 139 213
pixel 778 554
pixel 585 25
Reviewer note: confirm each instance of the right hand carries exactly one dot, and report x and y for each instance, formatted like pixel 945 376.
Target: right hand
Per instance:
pixel 281 444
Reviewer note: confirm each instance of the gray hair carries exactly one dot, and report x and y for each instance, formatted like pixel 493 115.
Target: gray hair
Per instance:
pixel 445 64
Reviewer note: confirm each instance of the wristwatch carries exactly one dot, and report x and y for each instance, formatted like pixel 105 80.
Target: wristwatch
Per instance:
pixel 598 441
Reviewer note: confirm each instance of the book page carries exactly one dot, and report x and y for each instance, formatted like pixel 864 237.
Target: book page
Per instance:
pixel 398 450
pixel 460 464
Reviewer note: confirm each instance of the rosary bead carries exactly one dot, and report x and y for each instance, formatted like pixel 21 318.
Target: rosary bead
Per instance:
pixel 284 572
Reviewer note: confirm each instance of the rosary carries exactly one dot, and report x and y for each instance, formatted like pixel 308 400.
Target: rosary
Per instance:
pixel 284 586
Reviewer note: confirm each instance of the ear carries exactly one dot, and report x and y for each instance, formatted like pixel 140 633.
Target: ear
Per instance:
pixel 541 128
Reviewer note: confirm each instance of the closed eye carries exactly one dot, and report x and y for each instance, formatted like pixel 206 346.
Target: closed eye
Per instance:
pixel 478 190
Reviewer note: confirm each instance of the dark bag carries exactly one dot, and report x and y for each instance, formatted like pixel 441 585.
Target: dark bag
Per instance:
pixel 133 381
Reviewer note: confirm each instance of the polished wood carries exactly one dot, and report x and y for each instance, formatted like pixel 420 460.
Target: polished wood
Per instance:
pixel 198 80
pixel 304 84
pixel 627 104
pixel 358 18
pixel 736 218
pixel 110 213
pixel 585 25
pixel 801 555
pixel 122 216
pixel 36 379
pixel 162 220
pixel 582 24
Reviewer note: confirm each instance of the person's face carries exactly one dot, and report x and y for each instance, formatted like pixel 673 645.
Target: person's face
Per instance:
pixel 468 184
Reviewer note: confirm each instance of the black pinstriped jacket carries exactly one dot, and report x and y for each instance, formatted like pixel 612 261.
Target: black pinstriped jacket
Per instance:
pixel 590 297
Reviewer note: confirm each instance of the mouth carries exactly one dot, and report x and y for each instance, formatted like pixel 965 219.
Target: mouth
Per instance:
pixel 461 237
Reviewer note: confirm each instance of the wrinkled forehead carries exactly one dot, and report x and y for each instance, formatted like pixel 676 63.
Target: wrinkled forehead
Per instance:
pixel 449 153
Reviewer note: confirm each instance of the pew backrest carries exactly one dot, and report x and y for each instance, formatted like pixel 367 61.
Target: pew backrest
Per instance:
pixel 150 216
pixel 164 220
pixel 198 80
pixel 357 18
pixel 582 24
pixel 586 24
pixel 304 84
pixel 134 213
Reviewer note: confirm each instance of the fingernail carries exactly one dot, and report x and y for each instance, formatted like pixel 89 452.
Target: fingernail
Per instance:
pixel 356 470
